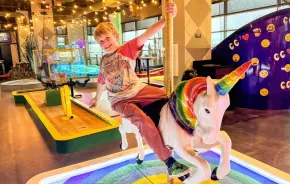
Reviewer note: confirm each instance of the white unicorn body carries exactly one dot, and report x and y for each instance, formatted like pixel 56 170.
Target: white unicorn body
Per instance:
pixel 209 107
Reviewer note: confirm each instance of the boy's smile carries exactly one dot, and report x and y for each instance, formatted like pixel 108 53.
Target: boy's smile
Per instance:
pixel 108 42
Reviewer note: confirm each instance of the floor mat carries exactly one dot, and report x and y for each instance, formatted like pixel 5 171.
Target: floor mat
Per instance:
pixel 124 170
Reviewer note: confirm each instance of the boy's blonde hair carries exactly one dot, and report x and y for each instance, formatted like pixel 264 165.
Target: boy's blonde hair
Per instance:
pixel 105 28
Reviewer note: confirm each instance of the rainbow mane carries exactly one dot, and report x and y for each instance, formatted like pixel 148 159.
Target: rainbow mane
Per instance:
pixel 182 100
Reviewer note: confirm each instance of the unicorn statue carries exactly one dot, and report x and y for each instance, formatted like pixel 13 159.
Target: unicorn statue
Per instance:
pixel 190 123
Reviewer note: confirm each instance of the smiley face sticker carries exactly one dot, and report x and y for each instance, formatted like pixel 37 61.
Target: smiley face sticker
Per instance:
pixel 287 68
pixel 263 73
pixel 271 28
pixel 264 92
pixel 265 43
pixel 257 32
pixel 236 57
pixel 287 37
pixel 255 61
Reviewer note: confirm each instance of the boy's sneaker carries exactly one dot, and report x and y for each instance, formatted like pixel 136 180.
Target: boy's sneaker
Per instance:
pixel 176 169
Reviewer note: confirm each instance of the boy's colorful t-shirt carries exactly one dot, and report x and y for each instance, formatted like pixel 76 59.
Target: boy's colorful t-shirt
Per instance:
pixel 117 72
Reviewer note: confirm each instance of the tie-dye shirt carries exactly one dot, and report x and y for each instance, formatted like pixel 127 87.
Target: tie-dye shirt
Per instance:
pixel 117 72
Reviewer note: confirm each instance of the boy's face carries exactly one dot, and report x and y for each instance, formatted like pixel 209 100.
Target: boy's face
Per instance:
pixel 108 42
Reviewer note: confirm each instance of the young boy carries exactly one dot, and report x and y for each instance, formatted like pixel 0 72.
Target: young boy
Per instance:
pixel 126 91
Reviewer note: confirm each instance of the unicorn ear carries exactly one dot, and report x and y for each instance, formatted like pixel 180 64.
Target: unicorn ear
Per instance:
pixel 210 87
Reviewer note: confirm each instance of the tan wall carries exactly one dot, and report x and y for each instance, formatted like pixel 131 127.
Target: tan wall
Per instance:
pixel 192 33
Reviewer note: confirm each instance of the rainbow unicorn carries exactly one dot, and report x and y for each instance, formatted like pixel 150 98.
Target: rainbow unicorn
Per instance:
pixel 190 123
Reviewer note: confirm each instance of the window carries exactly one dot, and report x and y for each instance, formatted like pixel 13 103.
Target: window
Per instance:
pixel 217 38
pixel 143 24
pixel 61 40
pixel 218 23
pixel 130 26
pixel 128 36
pixel 95 51
pixel 238 5
pixel 153 46
pixel 60 30
pixel 218 9
pixel 236 21
pixel 91 30
pixel 232 15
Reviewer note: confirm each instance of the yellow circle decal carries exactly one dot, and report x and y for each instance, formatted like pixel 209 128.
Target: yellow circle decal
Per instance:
pixel 263 73
pixel 255 61
pixel 264 92
pixel 236 57
pixel 287 37
pixel 265 43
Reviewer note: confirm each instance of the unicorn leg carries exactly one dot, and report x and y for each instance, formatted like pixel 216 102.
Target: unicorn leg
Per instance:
pixel 224 166
pixel 203 168
pixel 124 144
pixel 140 156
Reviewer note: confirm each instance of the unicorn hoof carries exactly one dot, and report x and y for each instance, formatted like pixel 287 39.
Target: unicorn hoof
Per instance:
pixel 182 178
pixel 138 160
pixel 213 175
pixel 123 146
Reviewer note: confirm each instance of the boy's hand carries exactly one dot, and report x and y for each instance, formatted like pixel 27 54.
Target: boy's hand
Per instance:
pixel 93 103
pixel 171 9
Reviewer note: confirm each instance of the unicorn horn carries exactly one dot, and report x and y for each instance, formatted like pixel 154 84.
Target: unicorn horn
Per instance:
pixel 228 81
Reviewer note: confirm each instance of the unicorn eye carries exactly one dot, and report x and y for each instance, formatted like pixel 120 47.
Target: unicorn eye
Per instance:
pixel 207 111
